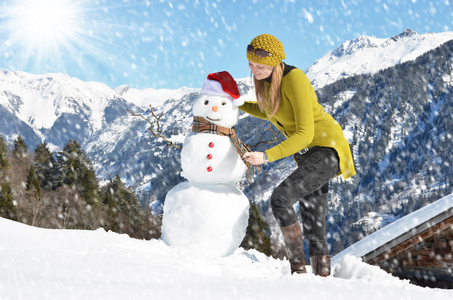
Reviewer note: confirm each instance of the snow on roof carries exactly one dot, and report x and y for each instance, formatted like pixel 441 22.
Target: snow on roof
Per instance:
pixel 396 229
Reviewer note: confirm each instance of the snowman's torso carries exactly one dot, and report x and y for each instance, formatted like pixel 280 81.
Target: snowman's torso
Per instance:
pixel 211 159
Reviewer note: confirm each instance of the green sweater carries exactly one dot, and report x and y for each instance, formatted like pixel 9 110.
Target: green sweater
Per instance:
pixel 304 122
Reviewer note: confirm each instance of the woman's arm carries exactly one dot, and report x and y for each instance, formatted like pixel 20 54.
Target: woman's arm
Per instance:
pixel 253 109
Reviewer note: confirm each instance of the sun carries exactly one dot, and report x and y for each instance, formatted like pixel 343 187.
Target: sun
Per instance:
pixel 80 38
pixel 43 24
pixel 50 36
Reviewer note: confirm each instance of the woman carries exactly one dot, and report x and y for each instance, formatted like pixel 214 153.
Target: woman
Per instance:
pixel 287 99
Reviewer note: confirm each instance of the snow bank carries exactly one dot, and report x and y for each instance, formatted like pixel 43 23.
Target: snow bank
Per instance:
pixel 76 264
pixel 351 267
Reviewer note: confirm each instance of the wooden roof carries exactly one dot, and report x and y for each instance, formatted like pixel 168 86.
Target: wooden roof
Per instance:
pixel 418 247
pixel 441 222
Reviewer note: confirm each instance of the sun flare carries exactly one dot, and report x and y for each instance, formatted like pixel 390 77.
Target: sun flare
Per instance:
pixel 43 24
pixel 81 38
pixel 50 36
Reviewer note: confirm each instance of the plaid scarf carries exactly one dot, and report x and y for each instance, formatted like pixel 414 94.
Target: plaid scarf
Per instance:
pixel 202 125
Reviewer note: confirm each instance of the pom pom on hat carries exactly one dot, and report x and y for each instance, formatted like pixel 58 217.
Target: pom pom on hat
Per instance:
pixel 222 84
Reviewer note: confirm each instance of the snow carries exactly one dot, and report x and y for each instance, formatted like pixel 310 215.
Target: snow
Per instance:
pixel 77 264
pixel 397 228
pixel 155 97
pixel 372 220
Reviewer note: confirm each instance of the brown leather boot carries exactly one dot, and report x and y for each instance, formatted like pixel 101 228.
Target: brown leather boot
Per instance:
pixel 320 265
pixel 292 235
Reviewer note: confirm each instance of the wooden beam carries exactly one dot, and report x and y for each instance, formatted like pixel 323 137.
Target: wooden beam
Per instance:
pixel 410 238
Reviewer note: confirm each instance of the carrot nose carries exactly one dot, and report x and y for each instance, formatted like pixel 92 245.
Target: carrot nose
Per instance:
pixel 214 108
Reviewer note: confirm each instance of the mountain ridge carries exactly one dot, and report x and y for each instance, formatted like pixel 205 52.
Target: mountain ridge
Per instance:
pixel 50 103
pixel 368 55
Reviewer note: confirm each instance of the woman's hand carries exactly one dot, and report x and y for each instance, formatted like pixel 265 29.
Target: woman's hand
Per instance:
pixel 255 158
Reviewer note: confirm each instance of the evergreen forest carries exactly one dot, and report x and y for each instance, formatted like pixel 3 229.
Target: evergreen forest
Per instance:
pixel 60 190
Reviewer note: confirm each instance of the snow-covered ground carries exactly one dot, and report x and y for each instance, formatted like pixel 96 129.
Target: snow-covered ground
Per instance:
pixel 40 264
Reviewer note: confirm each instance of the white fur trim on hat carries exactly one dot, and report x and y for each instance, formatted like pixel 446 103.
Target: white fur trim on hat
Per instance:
pixel 238 101
pixel 213 87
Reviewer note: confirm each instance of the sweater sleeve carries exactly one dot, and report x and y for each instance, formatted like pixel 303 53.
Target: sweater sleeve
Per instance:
pixel 298 116
pixel 253 109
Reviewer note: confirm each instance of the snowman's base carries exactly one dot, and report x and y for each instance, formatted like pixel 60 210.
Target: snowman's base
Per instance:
pixel 207 220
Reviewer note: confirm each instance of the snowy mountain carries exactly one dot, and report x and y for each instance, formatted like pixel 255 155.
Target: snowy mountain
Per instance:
pixel 393 97
pixel 368 55
pixel 156 98
pixel 56 107
pixel 77 264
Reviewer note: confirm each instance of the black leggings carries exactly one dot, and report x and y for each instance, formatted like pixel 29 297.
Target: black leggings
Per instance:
pixel 308 184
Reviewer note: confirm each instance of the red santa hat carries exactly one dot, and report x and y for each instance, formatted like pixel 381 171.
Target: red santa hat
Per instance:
pixel 222 84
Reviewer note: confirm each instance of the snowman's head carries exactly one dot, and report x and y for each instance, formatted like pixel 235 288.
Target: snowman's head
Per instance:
pixel 218 110
pixel 219 100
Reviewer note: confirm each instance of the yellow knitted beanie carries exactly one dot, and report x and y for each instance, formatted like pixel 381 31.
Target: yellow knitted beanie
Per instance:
pixel 270 44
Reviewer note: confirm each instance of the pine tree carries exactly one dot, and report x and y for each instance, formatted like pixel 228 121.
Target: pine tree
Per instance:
pixel 77 172
pixel 122 205
pixel 33 183
pixel 256 232
pixel 3 155
pixel 7 208
pixel 111 222
pixel 35 196
pixel 46 167
pixel 128 201
pixel 20 148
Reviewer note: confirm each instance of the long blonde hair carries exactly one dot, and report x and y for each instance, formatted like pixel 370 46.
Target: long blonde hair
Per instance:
pixel 269 103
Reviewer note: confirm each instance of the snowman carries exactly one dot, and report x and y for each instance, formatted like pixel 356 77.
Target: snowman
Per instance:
pixel 208 215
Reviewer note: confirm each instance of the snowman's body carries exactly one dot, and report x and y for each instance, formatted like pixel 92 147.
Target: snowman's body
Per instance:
pixel 211 159
pixel 205 219
pixel 208 214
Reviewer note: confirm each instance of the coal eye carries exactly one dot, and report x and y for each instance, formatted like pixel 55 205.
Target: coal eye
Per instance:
pixel 223 103
pixel 206 102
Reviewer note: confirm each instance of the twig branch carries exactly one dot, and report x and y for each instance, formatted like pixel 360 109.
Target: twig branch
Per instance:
pixel 274 139
pixel 158 132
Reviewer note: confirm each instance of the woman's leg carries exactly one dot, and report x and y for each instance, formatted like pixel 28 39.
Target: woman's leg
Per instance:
pixel 313 209
pixel 315 169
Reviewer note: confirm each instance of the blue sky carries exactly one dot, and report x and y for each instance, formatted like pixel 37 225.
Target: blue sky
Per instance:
pixel 170 44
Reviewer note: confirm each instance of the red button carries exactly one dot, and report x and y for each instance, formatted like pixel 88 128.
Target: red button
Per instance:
pixel 209 156
pixel 211 144
pixel 209 169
